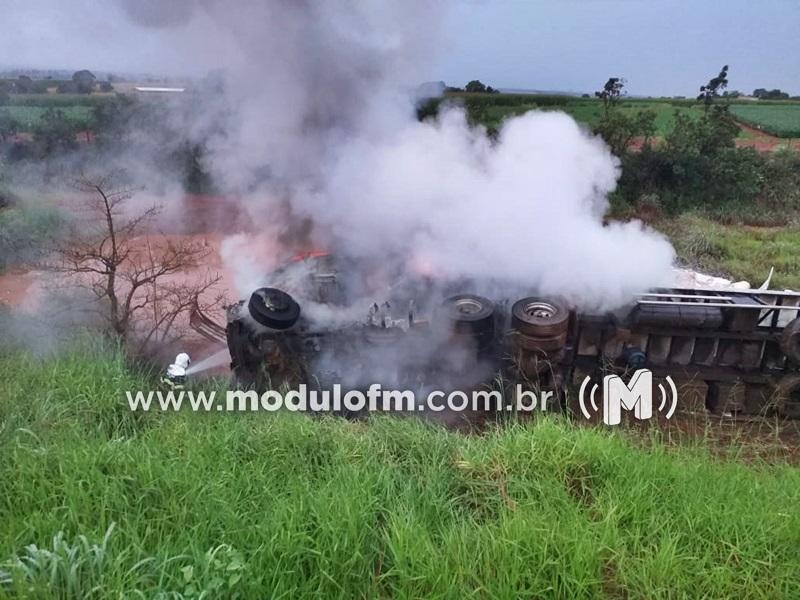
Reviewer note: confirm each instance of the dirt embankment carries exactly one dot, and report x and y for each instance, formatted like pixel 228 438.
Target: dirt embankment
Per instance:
pixel 764 142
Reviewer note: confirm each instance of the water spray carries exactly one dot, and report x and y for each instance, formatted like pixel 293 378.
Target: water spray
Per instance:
pixel 215 360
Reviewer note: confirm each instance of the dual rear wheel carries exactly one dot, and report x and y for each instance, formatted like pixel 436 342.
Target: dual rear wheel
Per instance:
pixel 541 324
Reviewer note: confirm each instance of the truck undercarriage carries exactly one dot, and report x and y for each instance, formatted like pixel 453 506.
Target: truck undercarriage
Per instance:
pixel 738 350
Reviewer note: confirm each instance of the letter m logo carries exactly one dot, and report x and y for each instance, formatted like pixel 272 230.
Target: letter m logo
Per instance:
pixel 637 396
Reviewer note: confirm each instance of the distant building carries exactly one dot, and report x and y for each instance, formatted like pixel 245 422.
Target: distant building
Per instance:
pixel 159 90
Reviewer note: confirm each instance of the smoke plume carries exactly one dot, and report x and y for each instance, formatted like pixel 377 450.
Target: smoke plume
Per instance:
pixel 312 123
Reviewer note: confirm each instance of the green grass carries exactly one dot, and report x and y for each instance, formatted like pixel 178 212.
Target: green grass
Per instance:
pixel 584 110
pixel 24 228
pixel 590 112
pixel 782 120
pixel 97 502
pixel 738 251
pixel 57 100
pixel 28 117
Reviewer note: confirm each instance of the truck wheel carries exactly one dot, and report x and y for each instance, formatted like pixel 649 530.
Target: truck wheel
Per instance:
pixel 788 396
pixel 538 317
pixel 470 314
pixel 790 341
pixel 542 344
pixel 273 308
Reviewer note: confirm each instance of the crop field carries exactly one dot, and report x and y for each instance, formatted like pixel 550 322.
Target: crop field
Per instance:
pixel 57 100
pixel 779 119
pixel 590 112
pixel 496 108
pixel 775 118
pixel 99 502
pixel 27 109
pixel 28 117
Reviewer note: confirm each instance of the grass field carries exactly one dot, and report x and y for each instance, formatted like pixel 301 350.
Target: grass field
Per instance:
pixel 776 118
pixel 584 110
pixel 782 120
pixel 58 100
pixel 590 111
pixel 22 229
pixel 738 251
pixel 27 117
pixel 98 502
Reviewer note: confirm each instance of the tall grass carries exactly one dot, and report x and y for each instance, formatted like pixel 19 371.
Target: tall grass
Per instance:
pixel 737 251
pixel 96 502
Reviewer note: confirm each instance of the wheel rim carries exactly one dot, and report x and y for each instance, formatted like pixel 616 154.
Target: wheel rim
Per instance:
pixel 468 306
pixel 540 310
pixel 275 302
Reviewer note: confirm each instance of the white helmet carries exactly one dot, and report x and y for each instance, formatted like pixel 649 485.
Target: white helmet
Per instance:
pixel 183 360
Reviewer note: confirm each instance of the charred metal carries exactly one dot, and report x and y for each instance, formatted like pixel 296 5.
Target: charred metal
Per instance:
pixel 737 351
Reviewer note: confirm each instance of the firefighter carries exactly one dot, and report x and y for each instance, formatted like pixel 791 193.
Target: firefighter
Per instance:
pixel 175 377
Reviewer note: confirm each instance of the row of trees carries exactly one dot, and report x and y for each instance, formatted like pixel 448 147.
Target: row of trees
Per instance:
pixel 81 82
pixel 474 87
pixel 613 90
pixel 764 94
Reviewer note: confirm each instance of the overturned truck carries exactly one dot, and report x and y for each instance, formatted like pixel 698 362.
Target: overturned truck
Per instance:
pixel 736 352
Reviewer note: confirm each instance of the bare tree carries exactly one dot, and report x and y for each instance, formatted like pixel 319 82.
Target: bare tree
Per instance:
pixel 139 280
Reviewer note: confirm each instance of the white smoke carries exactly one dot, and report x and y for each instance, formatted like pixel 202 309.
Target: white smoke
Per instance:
pixel 527 209
pixel 316 113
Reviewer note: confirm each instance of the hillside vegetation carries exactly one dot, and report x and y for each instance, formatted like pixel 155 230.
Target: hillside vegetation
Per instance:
pixel 737 251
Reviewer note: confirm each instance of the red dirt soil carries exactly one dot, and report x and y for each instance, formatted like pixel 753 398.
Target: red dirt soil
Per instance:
pixel 764 142
pixel 18 287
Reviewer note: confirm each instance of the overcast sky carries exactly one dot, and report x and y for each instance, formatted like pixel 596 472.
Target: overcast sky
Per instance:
pixel 660 46
pixel 664 47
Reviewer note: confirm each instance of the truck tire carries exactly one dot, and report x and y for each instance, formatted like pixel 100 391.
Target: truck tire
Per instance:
pixel 787 395
pixel 539 317
pixel 541 344
pixel 273 308
pixel 469 314
pixel 790 341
